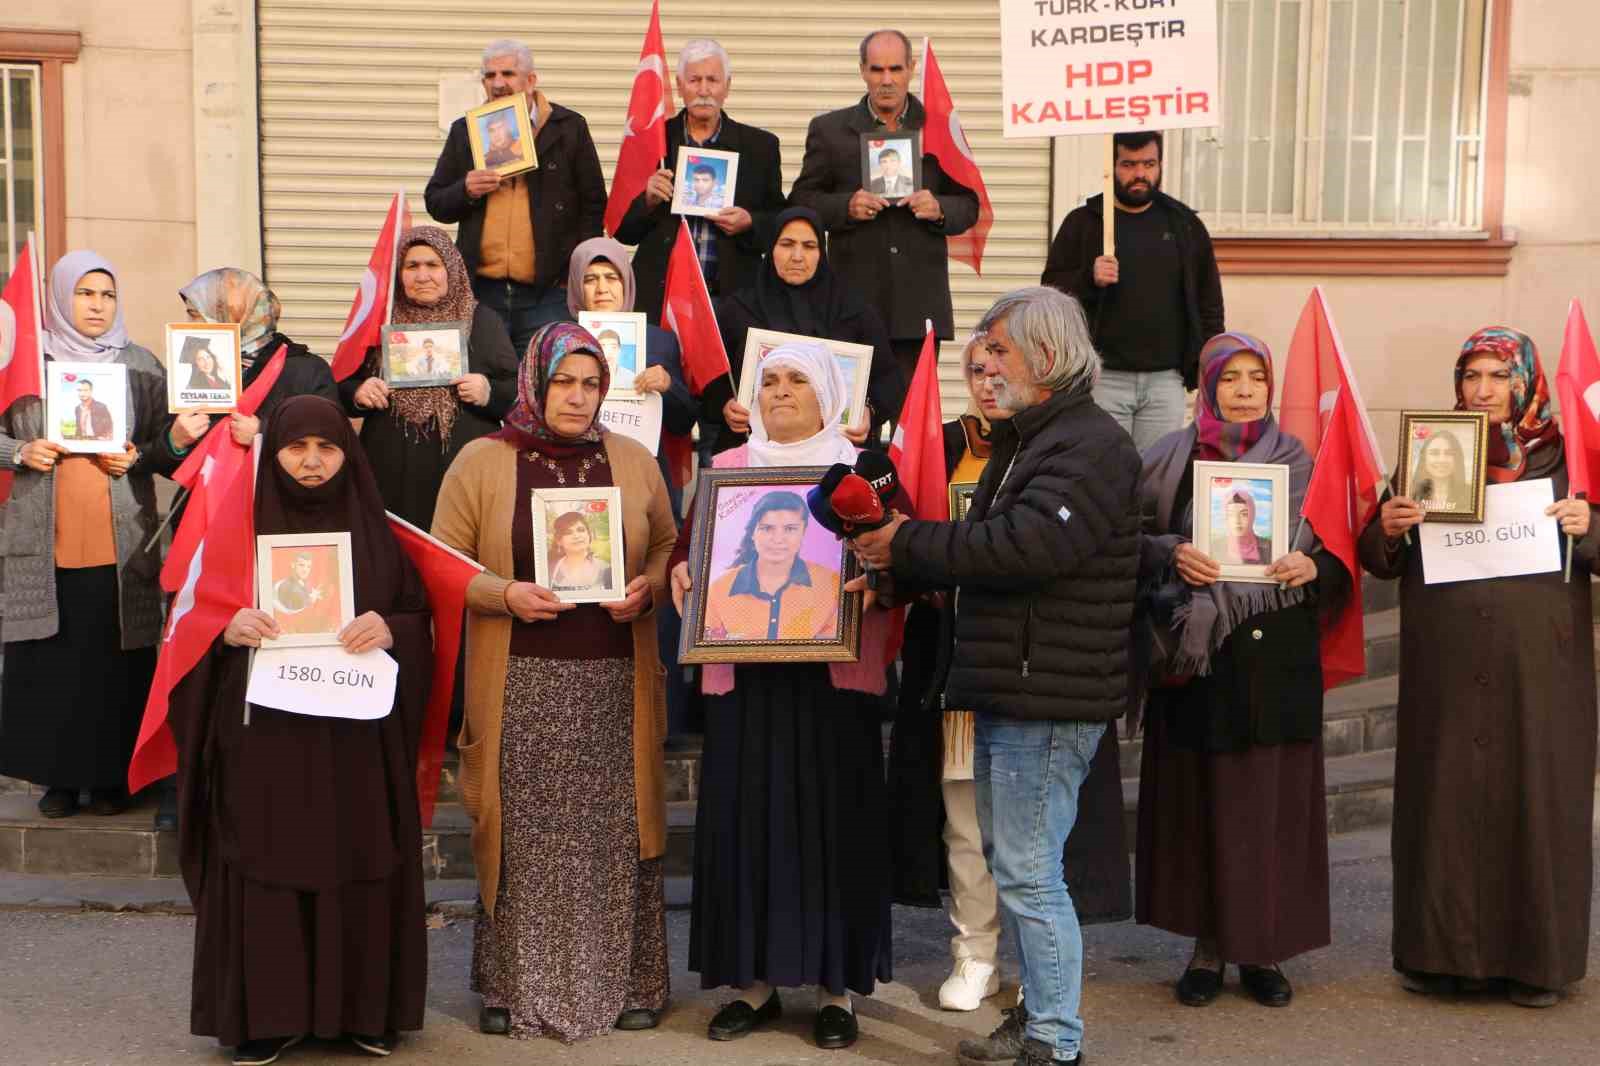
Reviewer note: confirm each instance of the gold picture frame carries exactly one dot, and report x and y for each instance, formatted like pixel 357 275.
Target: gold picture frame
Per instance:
pixel 746 517
pixel 1446 495
pixel 961 493
pixel 516 153
pixel 205 367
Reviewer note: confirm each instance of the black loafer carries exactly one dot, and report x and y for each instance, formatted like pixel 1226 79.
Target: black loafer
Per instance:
pixel 835 1027
pixel 1199 986
pixel 59 803
pixel 496 1021
pixel 1267 984
pixel 638 1018
pixel 739 1018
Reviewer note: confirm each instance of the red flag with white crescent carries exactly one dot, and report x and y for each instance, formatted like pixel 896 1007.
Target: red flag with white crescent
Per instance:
pixel 21 330
pixel 644 137
pixel 687 313
pixel 1578 390
pixel 374 296
pixel 945 140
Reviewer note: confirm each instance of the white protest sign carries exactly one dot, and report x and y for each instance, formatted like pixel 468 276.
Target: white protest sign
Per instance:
pixel 1515 537
pixel 324 681
pixel 638 417
pixel 1107 66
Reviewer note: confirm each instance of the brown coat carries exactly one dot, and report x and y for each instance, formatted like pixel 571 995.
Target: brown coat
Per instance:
pixel 1494 772
pixel 474 515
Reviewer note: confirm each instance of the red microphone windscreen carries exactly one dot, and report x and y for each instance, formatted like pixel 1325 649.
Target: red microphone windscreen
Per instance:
pixel 855 501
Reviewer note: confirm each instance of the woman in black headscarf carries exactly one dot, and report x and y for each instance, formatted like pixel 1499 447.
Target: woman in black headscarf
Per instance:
pixel 797 292
pixel 300 834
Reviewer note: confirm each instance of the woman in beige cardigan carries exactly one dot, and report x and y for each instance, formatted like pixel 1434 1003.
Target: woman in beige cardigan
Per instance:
pixel 561 751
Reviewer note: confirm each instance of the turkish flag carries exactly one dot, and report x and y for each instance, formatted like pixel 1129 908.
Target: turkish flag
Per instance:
pixel 446 573
pixel 194 474
pixel 644 137
pixel 1322 406
pixel 917 448
pixel 1578 391
pixel 374 296
pixel 687 313
pixel 945 140
pixel 218 580
pixel 21 338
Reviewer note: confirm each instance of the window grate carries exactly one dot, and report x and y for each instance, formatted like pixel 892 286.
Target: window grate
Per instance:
pixel 1342 117
pixel 21 188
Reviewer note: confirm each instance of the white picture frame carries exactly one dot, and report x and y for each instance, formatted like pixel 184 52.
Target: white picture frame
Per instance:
pixel 602 576
pixel 197 351
pixel 306 582
pixel 688 198
pixel 1262 494
pixel 86 406
pixel 854 359
pixel 629 354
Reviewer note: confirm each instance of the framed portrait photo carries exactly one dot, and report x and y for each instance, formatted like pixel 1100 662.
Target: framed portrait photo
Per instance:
pixel 854 359
pixel 622 336
pixel 306 582
pixel 961 493
pixel 86 405
pixel 577 544
pixel 204 367
pixel 1241 516
pixel 754 538
pixel 501 135
pixel 1443 461
pixel 891 163
pixel 424 354
pixel 704 180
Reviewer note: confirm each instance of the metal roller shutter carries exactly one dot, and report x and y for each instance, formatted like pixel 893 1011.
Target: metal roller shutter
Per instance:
pixel 350 99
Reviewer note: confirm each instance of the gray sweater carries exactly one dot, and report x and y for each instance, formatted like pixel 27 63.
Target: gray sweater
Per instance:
pixel 28 609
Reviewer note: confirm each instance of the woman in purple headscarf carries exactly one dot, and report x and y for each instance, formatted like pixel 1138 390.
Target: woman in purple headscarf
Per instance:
pixel 1233 832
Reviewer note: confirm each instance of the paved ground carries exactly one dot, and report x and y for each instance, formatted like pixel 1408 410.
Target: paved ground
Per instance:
pixel 87 989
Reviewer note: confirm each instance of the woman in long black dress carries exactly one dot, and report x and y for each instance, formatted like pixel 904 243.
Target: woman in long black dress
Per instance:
pixel 413 435
pixel 797 292
pixel 300 839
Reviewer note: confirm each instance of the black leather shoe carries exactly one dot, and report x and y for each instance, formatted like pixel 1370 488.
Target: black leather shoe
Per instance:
pixel 835 1027
pixel 638 1018
pixel 1198 986
pixel 739 1018
pixel 1267 984
pixel 59 802
pixel 107 802
pixel 496 1021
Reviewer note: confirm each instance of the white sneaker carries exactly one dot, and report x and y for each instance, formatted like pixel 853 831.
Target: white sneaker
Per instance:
pixel 969 984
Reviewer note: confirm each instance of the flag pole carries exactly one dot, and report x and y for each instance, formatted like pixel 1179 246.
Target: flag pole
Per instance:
pixel 38 307
pixel 399 206
pixel 1566 574
pixel 1108 244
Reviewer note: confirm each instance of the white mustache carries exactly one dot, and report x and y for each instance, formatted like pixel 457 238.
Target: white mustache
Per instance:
pixel 702 101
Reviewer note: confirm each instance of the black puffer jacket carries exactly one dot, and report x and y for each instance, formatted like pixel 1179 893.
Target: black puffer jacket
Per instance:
pixel 1045 565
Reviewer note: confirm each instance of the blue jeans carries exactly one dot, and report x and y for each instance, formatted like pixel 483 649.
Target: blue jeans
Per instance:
pixel 1147 404
pixel 1028 774
pixel 523 308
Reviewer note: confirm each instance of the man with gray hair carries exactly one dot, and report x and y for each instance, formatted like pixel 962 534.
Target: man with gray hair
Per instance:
pixel 517 231
pixel 1042 571
pixel 731 242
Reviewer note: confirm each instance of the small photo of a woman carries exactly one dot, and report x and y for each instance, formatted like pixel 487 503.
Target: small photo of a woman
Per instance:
pixel 1234 539
pixel 574 567
pixel 206 370
pixel 1439 480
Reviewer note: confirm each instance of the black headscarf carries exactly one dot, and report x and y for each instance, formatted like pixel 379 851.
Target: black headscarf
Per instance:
pixel 812 309
pixel 349 500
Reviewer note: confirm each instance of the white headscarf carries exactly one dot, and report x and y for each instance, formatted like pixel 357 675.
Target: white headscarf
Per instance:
pixel 828 446
pixel 62 339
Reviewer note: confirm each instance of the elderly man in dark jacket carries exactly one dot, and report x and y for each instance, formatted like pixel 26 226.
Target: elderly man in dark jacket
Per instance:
pixel 894 254
pixel 1043 570
pixel 518 232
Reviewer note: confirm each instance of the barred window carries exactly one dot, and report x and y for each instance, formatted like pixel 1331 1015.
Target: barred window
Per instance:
pixel 20 187
pixel 1343 118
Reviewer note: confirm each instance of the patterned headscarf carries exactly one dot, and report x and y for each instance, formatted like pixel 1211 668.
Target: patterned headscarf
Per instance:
pixel 229 294
pixel 1217 437
pixel 549 346
pixel 62 339
pixel 1531 425
pixel 434 406
pixel 587 253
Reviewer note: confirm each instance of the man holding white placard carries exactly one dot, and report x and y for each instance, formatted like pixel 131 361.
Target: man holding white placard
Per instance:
pixel 1495 762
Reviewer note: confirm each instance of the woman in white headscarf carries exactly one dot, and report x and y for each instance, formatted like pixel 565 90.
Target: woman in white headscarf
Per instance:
pixel 81 606
pixel 791 881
